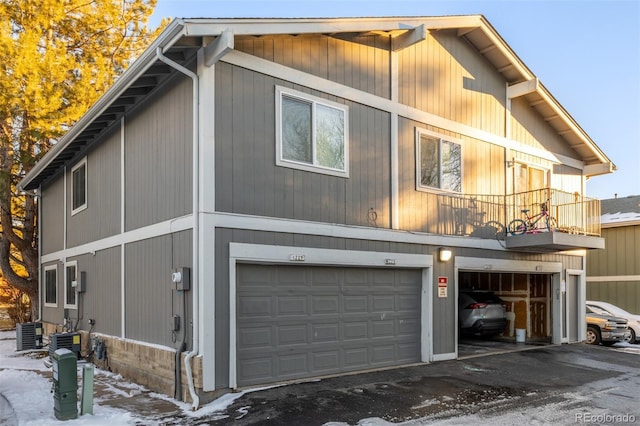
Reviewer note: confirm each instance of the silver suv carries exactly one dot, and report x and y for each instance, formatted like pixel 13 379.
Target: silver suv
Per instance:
pixel 481 312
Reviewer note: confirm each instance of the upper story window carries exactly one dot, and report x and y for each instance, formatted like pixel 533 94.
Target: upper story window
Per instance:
pixel 311 133
pixel 79 187
pixel 439 162
pixel 70 285
pixel 51 286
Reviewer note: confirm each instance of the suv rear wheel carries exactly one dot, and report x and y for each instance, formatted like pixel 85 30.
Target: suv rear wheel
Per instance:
pixel 593 335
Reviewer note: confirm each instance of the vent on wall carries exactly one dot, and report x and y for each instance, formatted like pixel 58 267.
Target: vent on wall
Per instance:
pixel 29 336
pixel 69 341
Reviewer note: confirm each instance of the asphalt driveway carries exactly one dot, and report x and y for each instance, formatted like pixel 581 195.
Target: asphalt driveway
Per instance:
pixel 573 379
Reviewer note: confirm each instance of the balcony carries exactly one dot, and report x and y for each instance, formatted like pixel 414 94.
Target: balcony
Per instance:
pixel 545 220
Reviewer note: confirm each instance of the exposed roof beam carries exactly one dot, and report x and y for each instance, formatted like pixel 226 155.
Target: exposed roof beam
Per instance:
pixel 218 47
pixel 409 38
pixel 599 169
pixel 521 89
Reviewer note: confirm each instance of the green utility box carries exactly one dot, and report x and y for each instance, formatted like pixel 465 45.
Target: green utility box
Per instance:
pixel 65 384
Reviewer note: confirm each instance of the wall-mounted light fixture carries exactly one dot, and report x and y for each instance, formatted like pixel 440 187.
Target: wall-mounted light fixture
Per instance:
pixel 444 254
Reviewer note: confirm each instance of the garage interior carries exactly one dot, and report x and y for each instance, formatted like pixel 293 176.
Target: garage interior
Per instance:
pixel 528 301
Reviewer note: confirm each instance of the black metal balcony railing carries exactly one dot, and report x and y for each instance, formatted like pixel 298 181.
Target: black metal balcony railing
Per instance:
pixel 487 216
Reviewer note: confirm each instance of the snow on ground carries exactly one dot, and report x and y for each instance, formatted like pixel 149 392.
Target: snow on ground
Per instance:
pixel 25 383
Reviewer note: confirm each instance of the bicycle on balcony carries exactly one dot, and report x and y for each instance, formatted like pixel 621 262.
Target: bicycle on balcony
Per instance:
pixel 535 223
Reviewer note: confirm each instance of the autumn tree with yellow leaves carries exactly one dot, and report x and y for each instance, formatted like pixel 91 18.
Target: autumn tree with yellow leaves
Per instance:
pixel 57 58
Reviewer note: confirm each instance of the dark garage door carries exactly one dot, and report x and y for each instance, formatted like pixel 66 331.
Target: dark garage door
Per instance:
pixel 296 322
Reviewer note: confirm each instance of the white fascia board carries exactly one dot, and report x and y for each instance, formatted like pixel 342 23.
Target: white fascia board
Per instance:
pixel 569 121
pixel 212 27
pixel 333 257
pixel 137 68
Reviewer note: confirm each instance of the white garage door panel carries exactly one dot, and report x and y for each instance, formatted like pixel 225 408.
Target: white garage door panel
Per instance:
pixel 303 321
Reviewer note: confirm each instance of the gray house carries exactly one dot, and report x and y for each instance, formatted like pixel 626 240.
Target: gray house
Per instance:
pixel 259 201
pixel 613 274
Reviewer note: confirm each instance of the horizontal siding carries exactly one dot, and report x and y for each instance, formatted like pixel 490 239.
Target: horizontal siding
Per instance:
pixel 249 182
pixel 101 218
pixel 158 152
pixel 52 220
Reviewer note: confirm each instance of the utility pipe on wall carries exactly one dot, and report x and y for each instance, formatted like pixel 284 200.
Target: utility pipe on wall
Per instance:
pixel 196 225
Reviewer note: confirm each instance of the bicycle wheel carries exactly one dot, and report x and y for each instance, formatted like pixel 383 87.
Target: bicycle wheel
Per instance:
pixel 517 227
pixel 497 227
pixel 552 223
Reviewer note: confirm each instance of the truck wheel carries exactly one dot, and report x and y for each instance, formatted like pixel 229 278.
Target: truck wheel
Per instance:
pixel 593 335
pixel 632 336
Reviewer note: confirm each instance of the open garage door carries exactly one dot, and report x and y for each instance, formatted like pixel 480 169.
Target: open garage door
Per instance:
pixel 296 322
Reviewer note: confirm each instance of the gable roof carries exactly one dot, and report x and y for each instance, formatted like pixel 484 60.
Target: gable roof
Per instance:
pixel 181 40
pixel 620 211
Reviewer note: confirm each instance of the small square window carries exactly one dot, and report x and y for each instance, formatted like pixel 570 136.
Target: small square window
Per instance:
pixel 51 286
pixel 439 163
pixel 312 133
pixel 70 285
pixel 79 187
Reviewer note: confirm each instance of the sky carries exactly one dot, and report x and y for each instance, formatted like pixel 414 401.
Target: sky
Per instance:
pixel 586 53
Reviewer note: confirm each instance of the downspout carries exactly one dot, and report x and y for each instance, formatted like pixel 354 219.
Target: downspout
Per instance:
pixel 196 225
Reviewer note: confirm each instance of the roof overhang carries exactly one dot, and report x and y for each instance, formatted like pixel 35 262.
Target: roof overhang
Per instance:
pixel 181 40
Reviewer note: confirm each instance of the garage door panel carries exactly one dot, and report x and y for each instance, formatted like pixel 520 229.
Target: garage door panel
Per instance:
pixel 325 333
pixel 251 307
pixel 292 305
pixel 322 305
pixel 382 303
pixel 356 330
pixel 255 337
pixel 293 364
pixel 292 335
pixel 356 357
pixel 324 320
pixel 356 304
pixel 326 361
pixel 382 329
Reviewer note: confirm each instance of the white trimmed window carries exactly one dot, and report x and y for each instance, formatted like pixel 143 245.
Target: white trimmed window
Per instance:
pixel 51 286
pixel 311 133
pixel 79 187
pixel 438 162
pixel 70 284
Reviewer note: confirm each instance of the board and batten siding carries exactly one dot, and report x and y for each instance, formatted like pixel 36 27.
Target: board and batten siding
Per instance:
pixel 530 128
pixel 158 152
pixel 615 267
pixel 483 172
pixel 444 75
pixel 149 299
pixel 248 180
pixel 52 221
pixel 101 218
pixel 102 299
pixel 361 62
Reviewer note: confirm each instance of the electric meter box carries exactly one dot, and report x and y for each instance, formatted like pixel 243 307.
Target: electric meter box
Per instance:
pixel 65 384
